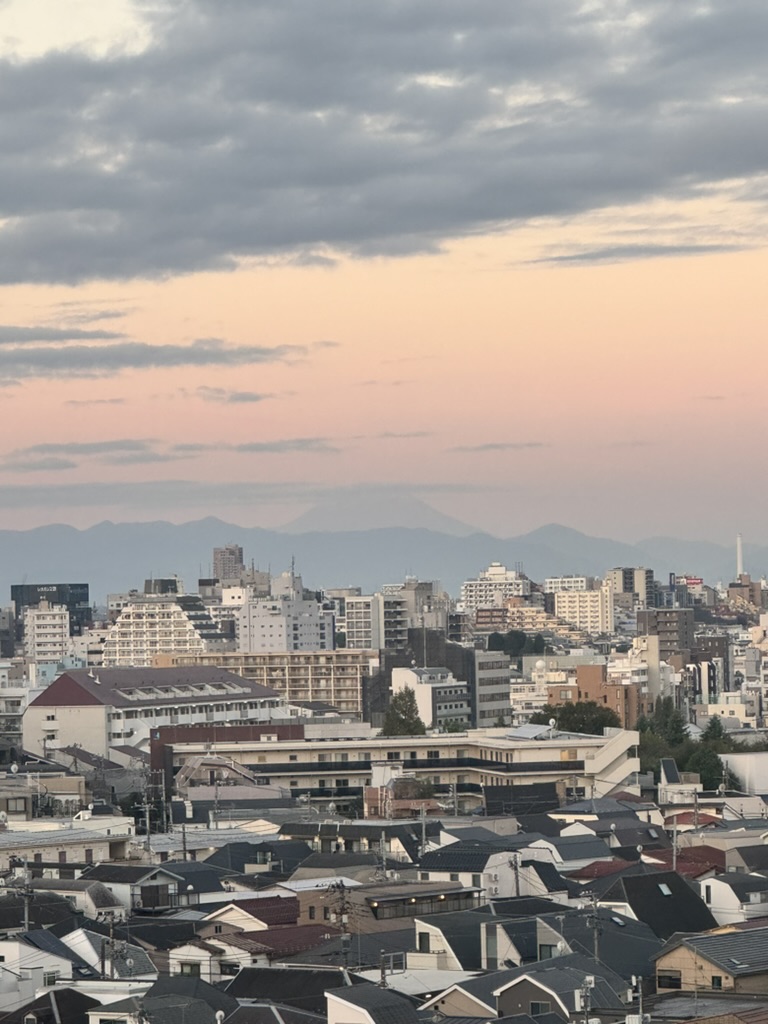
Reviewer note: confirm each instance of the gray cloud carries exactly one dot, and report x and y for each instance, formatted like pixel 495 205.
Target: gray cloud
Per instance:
pixel 48 464
pixel 623 253
pixel 406 434
pixel 10 335
pixel 293 131
pixel 500 446
pixel 277 447
pixel 102 360
pixel 224 395
pixel 95 401
pixel 87 448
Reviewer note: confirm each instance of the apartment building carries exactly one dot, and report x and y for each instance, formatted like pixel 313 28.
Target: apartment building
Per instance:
pixel 98 709
pixel 320 767
pixel 46 632
pixel 590 683
pixel 674 627
pixel 284 624
pixel 442 699
pixel 587 610
pixel 557 584
pixel 636 582
pixel 160 624
pixel 333 677
pixel 493 586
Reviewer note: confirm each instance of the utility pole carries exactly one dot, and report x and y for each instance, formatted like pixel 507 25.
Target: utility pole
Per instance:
pixel 516 869
pixel 674 846
pixel 184 841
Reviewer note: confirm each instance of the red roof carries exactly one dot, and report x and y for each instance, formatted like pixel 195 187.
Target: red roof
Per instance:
pixel 692 861
pixel 272 910
pixel 600 868
pixel 295 939
pixel 65 692
pixel 690 818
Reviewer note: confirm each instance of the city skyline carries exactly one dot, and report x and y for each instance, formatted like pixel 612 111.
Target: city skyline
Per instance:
pixel 508 263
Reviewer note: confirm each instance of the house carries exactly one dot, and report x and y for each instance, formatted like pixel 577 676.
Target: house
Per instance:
pixel 121 961
pixel 480 866
pixel 663 900
pixel 568 853
pixel 735 897
pixel 55 1006
pixel 63 846
pixel 170 1009
pixel 26 968
pixel 723 960
pixel 297 986
pixel 218 957
pixel 143 887
pixel 553 985
pixel 250 916
pixel 369 1004
pixel 42 910
pixel 357 865
pixel 92 899
pixel 746 859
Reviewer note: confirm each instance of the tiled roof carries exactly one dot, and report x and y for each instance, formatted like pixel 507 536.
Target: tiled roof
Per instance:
pixel 381 1004
pixel 120 687
pixel 457 857
pixel 737 953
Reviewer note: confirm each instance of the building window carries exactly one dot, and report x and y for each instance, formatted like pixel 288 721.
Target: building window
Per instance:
pixel 454 877
pixel 16 804
pixel 311 913
pixel 423 941
pixel 192 969
pixel 717 981
pixel 537 1009
pixel 707 893
pixel 50 977
pixel 669 979
pixel 218 928
pixel 476 881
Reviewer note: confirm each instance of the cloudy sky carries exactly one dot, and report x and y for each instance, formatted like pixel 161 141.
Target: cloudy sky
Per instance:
pixel 508 258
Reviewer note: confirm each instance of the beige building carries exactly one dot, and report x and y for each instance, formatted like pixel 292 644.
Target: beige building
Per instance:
pixel 46 632
pixel 334 677
pixel 587 610
pixel 724 960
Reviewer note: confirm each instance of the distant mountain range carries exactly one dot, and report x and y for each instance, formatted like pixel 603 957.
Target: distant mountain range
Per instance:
pixel 118 556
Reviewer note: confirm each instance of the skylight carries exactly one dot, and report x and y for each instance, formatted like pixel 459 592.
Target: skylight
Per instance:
pixel 665 890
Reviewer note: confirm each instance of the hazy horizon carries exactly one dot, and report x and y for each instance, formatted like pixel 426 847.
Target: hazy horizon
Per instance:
pixel 504 259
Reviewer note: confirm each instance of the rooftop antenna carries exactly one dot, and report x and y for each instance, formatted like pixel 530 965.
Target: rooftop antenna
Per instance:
pixel 739 557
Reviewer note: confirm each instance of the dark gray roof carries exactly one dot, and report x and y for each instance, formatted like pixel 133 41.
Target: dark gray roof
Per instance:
pixel 626 946
pixel 669 767
pixel 523 906
pixel 236 855
pixel 543 824
pixel 45 909
pixel 166 1009
pixel 550 878
pixel 457 857
pixel 679 909
pixel 261 1012
pixel 755 857
pixel 563 975
pixel 743 885
pixel 363 950
pixel 580 847
pixel 118 872
pixel 382 1004
pixel 45 940
pixel 303 987
pixel 462 932
pixel 194 988
pixel 55 1007
pixel 739 953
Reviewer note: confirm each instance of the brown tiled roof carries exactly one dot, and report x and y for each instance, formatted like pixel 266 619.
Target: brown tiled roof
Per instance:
pixel 600 868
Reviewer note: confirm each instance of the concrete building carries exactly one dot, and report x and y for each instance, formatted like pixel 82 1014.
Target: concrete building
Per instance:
pixel 285 624
pixel 324 768
pixel 637 582
pixel 333 677
pixel 494 586
pixel 114 707
pixel 587 610
pixel 591 683
pixel 673 626
pixel 46 632
pixel 489 690
pixel 442 700
pixel 228 562
pixel 557 584
pixel 151 625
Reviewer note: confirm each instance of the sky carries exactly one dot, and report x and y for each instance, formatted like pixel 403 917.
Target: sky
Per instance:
pixel 506 258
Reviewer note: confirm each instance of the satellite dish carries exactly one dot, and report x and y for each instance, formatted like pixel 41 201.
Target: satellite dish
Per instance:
pixel 331 808
pixel 15 768
pixel 552 723
pixel 613 826
pixel 3 817
pixel 129 962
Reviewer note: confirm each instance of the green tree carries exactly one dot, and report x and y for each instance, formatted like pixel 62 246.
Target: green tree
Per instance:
pixel 714 730
pixel 705 762
pixel 587 717
pixel 668 722
pixel 402 717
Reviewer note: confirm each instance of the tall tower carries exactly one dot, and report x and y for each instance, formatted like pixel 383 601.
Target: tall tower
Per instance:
pixel 739 557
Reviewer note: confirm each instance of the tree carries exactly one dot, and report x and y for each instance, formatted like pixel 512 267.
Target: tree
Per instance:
pixel 705 762
pixel 668 722
pixel 714 730
pixel 402 717
pixel 587 717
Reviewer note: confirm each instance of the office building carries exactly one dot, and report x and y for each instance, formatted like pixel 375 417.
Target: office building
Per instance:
pixel 74 596
pixel 228 562
pixel 287 624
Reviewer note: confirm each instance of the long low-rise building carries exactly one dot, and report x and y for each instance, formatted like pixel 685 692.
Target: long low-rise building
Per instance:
pixel 339 768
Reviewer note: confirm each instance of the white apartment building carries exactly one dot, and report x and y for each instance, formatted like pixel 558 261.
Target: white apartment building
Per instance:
pixel 99 709
pixel 149 626
pixel 556 584
pixel 588 610
pixel 284 624
pixel 440 697
pixel 46 632
pixel 493 587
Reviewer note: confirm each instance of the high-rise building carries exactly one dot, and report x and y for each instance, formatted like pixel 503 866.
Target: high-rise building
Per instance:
pixel 75 596
pixel 673 626
pixel 636 581
pixel 46 632
pixel 285 624
pixel 494 586
pixel 588 610
pixel 228 562
pixel 153 624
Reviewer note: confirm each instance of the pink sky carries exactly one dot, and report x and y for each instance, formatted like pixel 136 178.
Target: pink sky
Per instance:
pixel 515 362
